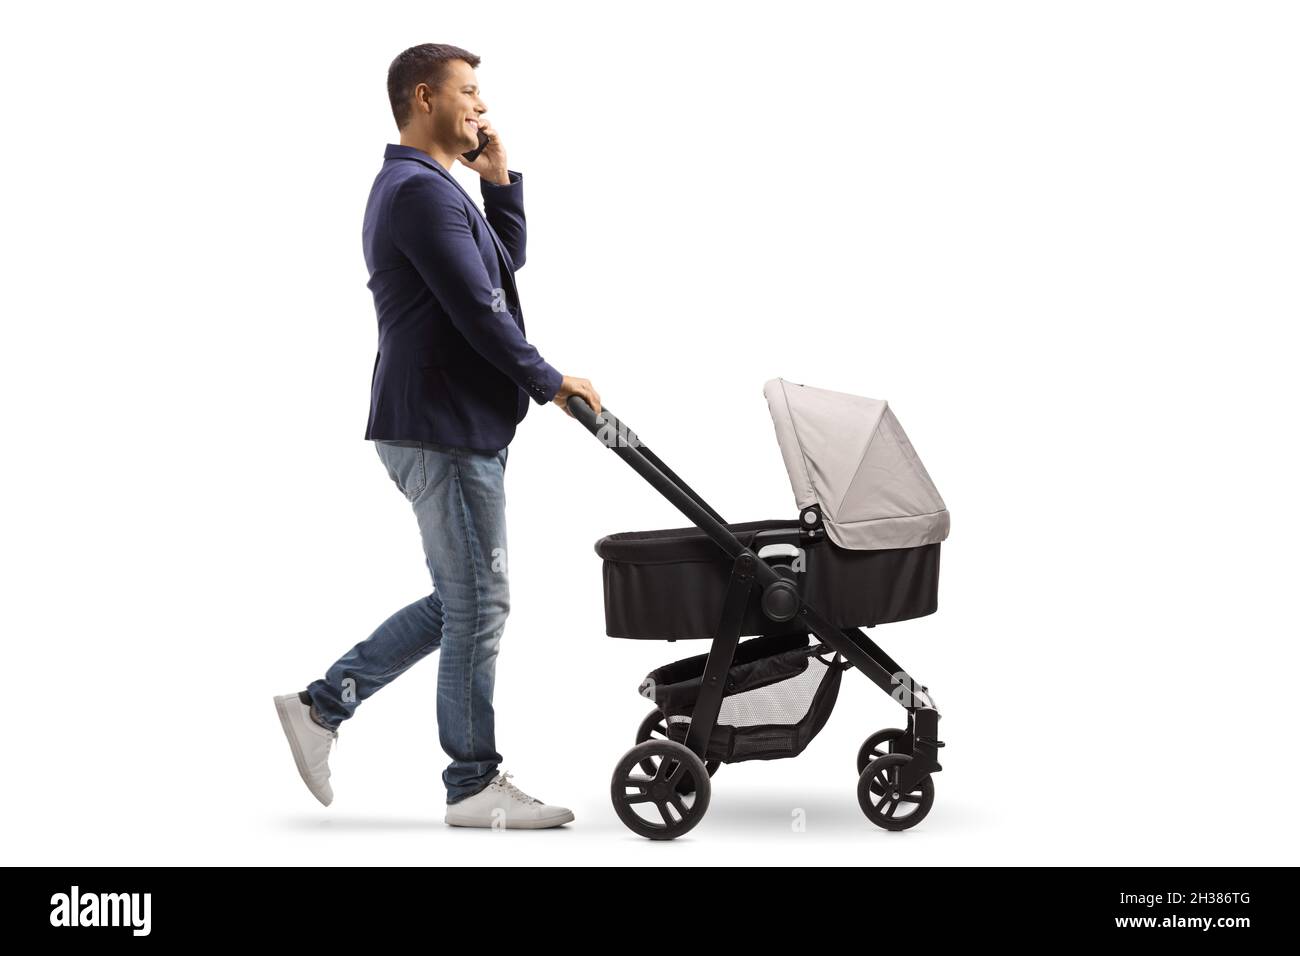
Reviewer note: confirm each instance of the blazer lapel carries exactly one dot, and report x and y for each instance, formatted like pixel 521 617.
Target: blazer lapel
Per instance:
pixel 507 266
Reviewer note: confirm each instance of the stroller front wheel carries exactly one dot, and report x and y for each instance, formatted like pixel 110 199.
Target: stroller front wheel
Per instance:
pixel 666 802
pixel 884 803
pixel 877 745
pixel 655 726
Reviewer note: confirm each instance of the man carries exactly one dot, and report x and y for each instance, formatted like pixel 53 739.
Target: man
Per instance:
pixel 452 378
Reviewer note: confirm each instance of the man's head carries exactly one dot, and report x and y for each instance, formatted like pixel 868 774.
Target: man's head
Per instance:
pixel 434 94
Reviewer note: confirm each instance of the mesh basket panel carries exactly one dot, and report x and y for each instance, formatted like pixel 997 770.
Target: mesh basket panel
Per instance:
pixel 785 702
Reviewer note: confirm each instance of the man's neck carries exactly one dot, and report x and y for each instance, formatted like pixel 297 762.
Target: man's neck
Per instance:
pixel 442 157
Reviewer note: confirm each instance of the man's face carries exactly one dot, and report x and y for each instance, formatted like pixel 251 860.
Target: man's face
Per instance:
pixel 456 107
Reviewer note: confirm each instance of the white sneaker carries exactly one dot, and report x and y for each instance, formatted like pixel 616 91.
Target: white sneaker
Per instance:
pixel 502 804
pixel 310 743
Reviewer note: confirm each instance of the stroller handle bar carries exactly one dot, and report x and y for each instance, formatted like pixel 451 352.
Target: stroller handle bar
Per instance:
pixel 616 436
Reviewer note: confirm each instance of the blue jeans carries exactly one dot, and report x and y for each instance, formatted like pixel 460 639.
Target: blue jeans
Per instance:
pixel 458 496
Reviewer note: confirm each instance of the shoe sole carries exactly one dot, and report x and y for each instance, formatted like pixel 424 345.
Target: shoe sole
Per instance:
pixel 525 825
pixel 298 758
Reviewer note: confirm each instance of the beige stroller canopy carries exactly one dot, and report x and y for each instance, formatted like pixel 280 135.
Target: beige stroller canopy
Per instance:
pixel 850 456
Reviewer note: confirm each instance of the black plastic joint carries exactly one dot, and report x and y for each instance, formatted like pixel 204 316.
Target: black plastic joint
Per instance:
pixel 811 526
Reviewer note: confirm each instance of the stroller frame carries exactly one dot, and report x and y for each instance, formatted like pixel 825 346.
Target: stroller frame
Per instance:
pixel 781 602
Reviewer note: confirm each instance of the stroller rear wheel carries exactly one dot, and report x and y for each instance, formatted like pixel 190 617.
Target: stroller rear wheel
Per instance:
pixel 884 804
pixel 877 745
pixel 667 801
pixel 655 727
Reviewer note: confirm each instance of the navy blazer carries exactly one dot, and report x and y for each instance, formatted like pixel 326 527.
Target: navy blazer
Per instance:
pixel 453 366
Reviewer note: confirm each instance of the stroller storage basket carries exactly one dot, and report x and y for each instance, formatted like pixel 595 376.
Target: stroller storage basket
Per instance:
pixel 670 584
pixel 778 696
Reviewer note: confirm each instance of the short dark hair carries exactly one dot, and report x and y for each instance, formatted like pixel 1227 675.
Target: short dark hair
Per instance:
pixel 426 63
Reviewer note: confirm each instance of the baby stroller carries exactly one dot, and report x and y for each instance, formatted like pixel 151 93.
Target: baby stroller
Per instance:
pixel 863 551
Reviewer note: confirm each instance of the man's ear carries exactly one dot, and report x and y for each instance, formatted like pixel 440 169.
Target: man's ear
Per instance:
pixel 424 98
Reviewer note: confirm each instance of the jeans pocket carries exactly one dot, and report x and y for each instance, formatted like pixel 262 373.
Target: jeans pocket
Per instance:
pixel 405 464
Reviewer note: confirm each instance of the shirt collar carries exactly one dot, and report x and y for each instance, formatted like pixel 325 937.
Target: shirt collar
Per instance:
pixel 398 151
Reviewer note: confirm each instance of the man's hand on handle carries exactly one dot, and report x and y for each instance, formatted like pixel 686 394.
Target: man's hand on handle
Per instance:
pixel 576 386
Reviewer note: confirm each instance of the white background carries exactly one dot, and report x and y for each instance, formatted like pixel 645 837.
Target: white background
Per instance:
pixel 1060 238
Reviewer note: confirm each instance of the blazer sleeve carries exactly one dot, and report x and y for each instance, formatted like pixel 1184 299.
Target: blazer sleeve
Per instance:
pixel 431 228
pixel 504 208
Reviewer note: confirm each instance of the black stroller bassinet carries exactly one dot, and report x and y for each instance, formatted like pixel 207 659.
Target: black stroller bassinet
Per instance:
pixel 666 585
pixel 864 551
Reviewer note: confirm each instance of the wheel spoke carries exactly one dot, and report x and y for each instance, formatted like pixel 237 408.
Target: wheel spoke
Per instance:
pixel 893 805
pixel 641 784
pixel 662 770
pixel 910 798
pixel 881 781
pixel 663 812
pixel 679 804
pixel 677 773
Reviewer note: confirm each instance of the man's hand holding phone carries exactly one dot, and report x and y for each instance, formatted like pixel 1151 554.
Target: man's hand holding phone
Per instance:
pixel 576 386
pixel 489 158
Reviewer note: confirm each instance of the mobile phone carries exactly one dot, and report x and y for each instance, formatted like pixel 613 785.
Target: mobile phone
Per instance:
pixel 472 155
